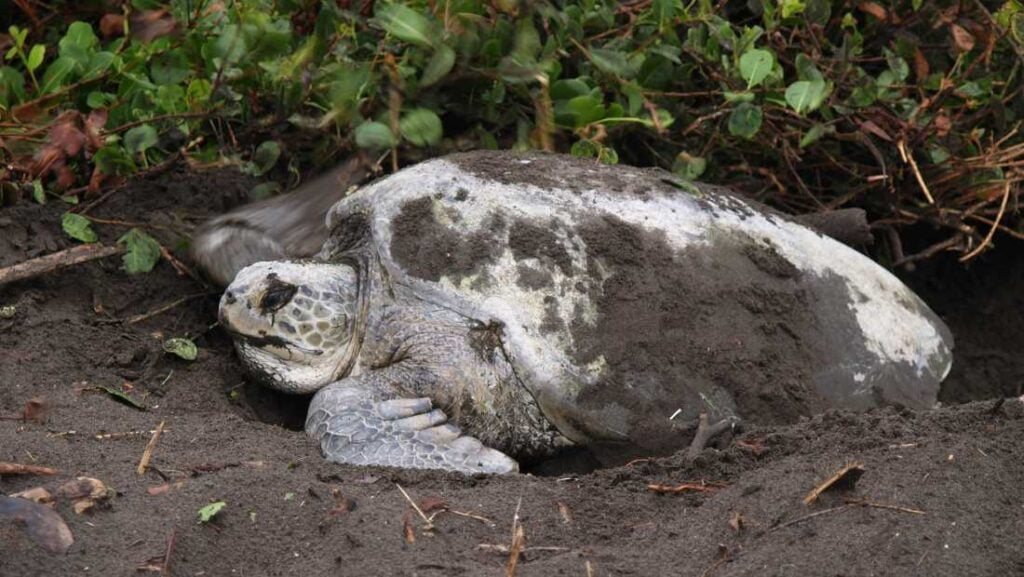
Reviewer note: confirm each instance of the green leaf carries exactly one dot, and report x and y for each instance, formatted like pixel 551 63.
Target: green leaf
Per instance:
pixel 78 227
pixel 169 68
pixel 439 66
pixel 97 99
pixel 608 155
pixel 806 69
pixel 79 34
pixel 665 12
pixel 897 64
pixel 688 166
pixel 112 159
pixel 35 57
pixel 611 62
pixel 12 87
pixel 737 97
pixel 421 127
pixel 745 120
pixel 210 511
pixel 406 24
pixel 140 138
pixel 792 8
pixel 37 191
pixel 99 62
pixel 584 148
pixel 143 251
pixel 266 156
pixel 755 65
pixel 569 88
pixel 264 190
pixel 805 95
pixel 78 44
pixel 120 396
pixel 814 134
pixel 56 74
pixel 181 347
pixel 374 136
pixel 583 110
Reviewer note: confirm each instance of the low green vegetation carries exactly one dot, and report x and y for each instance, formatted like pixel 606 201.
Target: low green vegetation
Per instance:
pixel 908 108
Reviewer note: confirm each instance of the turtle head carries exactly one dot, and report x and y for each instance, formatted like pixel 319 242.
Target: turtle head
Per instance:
pixel 293 322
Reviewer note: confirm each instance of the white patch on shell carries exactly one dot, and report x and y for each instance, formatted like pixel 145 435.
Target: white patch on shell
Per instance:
pixel 893 330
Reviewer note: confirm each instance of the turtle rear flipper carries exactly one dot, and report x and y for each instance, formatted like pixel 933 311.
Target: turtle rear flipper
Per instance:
pixel 358 421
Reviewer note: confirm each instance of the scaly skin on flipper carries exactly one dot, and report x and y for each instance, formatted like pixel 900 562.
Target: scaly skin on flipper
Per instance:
pixel 354 426
pixel 283 227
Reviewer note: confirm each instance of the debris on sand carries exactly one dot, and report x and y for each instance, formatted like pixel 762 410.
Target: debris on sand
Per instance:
pixel 844 478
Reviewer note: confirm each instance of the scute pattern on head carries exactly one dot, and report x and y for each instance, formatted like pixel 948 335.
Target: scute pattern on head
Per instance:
pixel 294 322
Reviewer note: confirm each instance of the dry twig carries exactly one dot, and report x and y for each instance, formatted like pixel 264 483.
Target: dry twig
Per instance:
pixel 20 469
pixel 992 231
pixel 810 516
pixel 147 454
pixel 866 503
pixel 163 308
pixel 56 261
pixel 426 520
pixel 701 487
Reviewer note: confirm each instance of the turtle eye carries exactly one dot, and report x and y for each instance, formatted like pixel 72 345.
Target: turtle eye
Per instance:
pixel 276 296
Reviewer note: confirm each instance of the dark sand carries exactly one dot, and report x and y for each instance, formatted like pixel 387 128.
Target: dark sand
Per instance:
pixel 963 465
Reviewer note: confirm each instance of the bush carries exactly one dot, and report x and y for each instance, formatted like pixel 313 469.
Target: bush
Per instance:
pixel 909 109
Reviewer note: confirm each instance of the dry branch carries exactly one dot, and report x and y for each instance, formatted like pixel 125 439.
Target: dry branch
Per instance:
pixel 56 261
pixel 20 469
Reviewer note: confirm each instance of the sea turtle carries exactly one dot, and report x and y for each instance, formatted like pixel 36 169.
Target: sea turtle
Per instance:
pixel 490 305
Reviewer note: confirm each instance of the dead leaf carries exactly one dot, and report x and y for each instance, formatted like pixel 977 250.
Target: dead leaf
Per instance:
pixel 942 124
pixel 95 182
pixel 36 410
pixel 566 514
pixel 342 504
pixel 65 177
pixel 149 25
pixel 963 39
pixel 84 493
pixel 36 494
pixel 921 67
pixel 844 478
pixel 43 524
pixel 736 521
pixel 94 124
pixel 428 504
pixel 410 533
pixel 112 25
pixel 876 10
pixel 66 136
pixel 872 128
pixel 755 446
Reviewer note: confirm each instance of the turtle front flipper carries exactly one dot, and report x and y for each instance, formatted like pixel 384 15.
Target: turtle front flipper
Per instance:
pixel 358 421
pixel 283 227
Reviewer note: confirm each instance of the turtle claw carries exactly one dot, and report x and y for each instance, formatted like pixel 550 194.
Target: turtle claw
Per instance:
pixel 399 408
